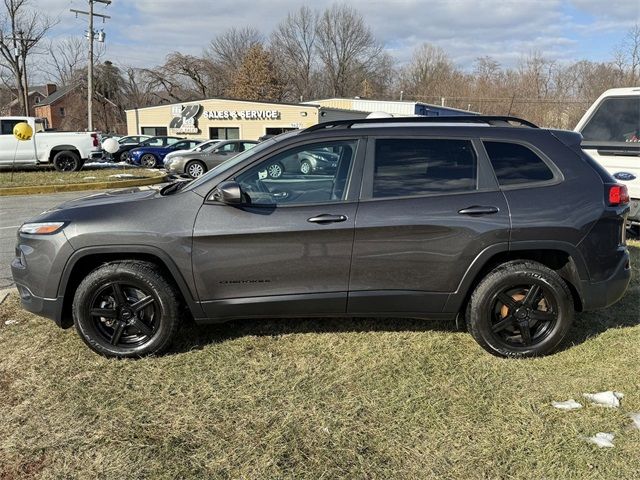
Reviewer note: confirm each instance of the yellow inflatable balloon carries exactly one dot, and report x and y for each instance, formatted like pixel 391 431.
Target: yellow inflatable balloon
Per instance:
pixel 23 131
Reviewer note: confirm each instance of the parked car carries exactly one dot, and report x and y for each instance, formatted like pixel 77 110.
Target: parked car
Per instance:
pixel 127 144
pixel 611 135
pixel 67 151
pixel 151 154
pixel 320 161
pixel 195 164
pixel 205 145
pixel 487 220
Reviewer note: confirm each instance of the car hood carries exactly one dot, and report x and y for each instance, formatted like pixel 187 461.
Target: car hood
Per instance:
pixel 111 197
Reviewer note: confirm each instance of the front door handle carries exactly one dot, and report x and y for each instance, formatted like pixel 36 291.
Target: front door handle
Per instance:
pixel 479 210
pixel 326 218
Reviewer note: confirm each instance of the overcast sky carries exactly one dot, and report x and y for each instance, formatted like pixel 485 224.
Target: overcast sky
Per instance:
pixel 142 32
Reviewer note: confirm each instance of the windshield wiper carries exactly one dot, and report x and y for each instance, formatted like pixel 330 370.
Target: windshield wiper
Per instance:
pixel 174 187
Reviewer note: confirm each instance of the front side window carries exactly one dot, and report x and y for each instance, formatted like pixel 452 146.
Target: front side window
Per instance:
pixel 228 147
pixel 279 180
pixel 409 167
pixel 617 119
pixel 516 164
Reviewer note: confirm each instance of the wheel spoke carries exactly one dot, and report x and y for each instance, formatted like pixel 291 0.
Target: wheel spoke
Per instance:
pixel 525 332
pixel 532 295
pixel 140 304
pixel 104 312
pixel 502 324
pixel 507 300
pixel 143 327
pixel 541 316
pixel 119 295
pixel 117 333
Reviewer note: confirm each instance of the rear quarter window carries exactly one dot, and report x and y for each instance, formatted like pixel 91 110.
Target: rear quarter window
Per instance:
pixel 516 164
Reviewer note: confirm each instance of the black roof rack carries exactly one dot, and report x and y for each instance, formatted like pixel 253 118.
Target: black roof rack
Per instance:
pixel 496 121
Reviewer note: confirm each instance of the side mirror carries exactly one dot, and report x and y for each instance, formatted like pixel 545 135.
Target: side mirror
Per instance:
pixel 228 192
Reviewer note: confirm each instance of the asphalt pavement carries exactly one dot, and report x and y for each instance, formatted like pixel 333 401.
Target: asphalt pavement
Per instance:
pixel 15 210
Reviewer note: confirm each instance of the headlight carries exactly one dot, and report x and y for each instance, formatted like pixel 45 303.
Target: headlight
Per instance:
pixel 46 228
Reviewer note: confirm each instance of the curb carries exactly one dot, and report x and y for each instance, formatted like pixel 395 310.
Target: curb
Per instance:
pixel 77 187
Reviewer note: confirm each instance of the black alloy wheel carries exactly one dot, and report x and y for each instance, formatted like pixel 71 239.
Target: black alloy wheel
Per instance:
pixel 520 309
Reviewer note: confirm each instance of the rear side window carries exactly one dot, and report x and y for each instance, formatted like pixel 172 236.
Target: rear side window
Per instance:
pixel 516 164
pixel 409 167
pixel 617 119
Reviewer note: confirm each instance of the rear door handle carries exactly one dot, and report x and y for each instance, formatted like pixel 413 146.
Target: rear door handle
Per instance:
pixel 326 218
pixel 478 210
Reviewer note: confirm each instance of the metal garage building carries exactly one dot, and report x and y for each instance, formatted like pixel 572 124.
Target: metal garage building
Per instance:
pixel 396 108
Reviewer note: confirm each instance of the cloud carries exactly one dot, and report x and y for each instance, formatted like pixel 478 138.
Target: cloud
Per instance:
pixel 145 31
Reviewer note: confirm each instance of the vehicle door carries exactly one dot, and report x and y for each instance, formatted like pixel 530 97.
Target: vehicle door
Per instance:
pixel 429 207
pixel 288 244
pixel 14 150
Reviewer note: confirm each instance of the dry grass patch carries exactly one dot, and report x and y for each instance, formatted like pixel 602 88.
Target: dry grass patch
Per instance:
pixel 31 177
pixel 328 398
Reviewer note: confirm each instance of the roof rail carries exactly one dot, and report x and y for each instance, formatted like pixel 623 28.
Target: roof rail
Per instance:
pixel 496 121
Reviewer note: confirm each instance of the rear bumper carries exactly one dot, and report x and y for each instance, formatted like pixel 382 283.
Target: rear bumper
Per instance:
pixel 605 293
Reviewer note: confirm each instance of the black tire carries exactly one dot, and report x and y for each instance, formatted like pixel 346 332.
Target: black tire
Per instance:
pixel 149 160
pixel 275 170
pixel 124 157
pixel 144 315
pixel 305 167
pixel 67 161
pixel 520 309
pixel 195 168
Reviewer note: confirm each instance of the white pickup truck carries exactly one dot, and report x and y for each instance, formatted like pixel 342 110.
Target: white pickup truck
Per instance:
pixel 611 135
pixel 67 151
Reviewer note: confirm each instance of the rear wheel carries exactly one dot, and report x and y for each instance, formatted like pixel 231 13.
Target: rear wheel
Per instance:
pixel 195 168
pixel 520 309
pixel 305 167
pixel 125 157
pixel 126 309
pixel 148 160
pixel 67 161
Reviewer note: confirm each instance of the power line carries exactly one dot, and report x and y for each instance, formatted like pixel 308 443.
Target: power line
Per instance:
pixel 91 36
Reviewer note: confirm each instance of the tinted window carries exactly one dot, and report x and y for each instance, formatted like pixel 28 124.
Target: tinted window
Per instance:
pixel 406 167
pixel 515 164
pixel 615 120
pixel 247 146
pixel 280 181
pixel 153 142
pixel 7 126
pixel 228 147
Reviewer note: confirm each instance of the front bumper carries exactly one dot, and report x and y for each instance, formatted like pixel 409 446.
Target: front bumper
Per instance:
pixel 605 293
pixel 634 211
pixel 44 307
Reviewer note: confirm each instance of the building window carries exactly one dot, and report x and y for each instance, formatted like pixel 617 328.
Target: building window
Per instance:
pixel 154 131
pixel 62 111
pixel 277 130
pixel 224 133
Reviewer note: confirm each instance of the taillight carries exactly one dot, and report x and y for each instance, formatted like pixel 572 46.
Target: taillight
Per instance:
pixel 96 143
pixel 618 195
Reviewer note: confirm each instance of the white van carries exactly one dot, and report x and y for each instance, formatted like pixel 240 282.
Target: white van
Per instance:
pixel 611 135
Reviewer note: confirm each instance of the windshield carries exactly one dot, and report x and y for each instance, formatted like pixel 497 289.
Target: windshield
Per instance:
pixel 617 119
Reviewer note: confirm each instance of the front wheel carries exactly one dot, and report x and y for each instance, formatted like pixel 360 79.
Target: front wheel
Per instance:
pixel 520 309
pixel 125 157
pixel 305 167
pixel 148 160
pixel 126 309
pixel 275 170
pixel 195 169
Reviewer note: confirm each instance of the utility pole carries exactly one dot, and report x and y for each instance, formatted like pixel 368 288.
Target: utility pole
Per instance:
pixel 91 35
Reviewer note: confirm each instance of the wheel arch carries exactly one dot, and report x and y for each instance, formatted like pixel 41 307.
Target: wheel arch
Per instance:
pixel 85 260
pixel 63 148
pixel 561 257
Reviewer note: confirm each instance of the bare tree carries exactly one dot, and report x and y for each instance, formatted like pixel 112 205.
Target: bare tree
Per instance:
pixel 627 56
pixel 230 47
pixel 293 43
pixel 67 57
pixel 346 47
pixel 21 30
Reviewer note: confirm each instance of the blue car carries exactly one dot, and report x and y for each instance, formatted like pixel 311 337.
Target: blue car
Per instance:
pixel 152 152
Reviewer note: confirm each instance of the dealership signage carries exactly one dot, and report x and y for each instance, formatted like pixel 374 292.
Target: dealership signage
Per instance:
pixel 241 114
pixel 184 118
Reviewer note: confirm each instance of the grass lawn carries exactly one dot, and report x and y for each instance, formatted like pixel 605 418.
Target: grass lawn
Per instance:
pixel 329 398
pixel 23 178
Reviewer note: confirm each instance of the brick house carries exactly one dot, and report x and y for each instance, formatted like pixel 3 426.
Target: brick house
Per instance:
pixel 37 94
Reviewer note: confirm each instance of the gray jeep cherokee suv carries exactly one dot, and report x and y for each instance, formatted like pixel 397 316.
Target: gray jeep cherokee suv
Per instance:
pixel 488 219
